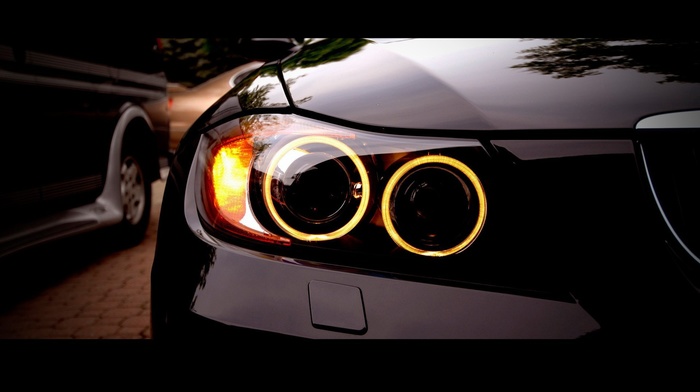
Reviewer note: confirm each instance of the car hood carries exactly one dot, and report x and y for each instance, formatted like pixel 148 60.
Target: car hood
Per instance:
pixel 485 84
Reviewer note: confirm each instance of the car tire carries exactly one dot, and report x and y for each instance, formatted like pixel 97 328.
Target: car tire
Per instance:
pixel 136 196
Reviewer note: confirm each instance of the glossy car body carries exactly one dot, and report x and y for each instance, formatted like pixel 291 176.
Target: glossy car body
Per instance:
pixel 85 128
pixel 440 189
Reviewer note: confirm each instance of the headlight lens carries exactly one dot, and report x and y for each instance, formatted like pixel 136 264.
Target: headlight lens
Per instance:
pixel 433 205
pixel 285 180
pixel 313 188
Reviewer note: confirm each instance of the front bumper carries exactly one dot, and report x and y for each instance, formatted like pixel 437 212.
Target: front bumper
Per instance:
pixel 279 296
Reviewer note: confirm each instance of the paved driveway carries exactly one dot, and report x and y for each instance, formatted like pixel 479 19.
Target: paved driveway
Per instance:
pixel 96 293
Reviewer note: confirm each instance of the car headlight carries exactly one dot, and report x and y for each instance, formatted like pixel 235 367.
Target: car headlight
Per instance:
pixel 286 180
pixel 313 188
pixel 433 205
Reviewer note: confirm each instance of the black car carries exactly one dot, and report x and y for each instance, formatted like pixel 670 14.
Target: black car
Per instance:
pixel 440 189
pixel 85 129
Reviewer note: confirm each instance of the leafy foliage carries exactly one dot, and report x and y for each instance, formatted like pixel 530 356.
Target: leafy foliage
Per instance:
pixel 191 61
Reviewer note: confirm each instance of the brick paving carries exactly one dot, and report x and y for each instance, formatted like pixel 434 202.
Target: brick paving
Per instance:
pixel 108 298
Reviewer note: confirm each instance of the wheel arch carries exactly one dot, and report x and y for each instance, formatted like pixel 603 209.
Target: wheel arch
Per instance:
pixel 133 129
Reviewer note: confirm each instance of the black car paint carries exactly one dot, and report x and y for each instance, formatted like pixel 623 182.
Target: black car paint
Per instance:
pixel 572 222
pixel 500 90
